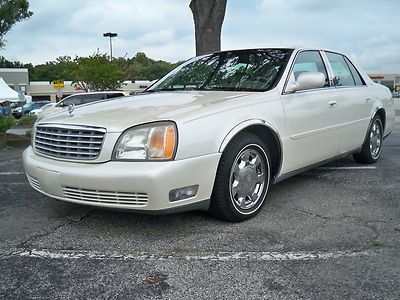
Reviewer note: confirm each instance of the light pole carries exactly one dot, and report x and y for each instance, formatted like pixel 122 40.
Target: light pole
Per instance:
pixel 110 35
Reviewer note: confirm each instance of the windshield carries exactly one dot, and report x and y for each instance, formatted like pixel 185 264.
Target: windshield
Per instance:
pixel 242 70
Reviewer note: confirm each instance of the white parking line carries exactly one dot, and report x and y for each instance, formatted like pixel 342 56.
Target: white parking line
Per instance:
pixel 216 256
pixel 11 173
pixel 349 168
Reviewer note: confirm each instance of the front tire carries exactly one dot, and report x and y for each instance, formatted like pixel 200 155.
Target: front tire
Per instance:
pixel 242 179
pixel 372 147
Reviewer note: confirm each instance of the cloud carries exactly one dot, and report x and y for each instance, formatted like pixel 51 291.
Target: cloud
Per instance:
pixel 164 29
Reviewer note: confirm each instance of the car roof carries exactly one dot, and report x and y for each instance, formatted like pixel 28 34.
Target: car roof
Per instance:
pixel 294 48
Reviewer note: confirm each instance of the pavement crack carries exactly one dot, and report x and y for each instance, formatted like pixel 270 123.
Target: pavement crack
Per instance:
pixel 35 237
pixel 80 218
pixel 88 214
pixel 312 214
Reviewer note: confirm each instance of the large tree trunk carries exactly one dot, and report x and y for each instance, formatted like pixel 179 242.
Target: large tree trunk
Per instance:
pixel 208 16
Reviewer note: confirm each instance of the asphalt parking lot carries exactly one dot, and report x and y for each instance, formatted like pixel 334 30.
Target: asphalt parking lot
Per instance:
pixel 330 233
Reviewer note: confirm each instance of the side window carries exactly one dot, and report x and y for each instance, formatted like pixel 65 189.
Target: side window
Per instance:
pixel 114 95
pixel 356 76
pixel 70 100
pixel 308 61
pixel 340 69
pixel 92 98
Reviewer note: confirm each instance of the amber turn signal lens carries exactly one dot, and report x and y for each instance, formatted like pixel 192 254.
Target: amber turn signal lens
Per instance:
pixel 169 142
pixel 162 142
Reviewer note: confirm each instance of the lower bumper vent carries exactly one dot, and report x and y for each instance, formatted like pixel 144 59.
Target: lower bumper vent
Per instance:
pixel 109 197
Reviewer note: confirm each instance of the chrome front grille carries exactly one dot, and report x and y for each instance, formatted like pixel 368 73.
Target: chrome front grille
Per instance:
pixel 34 182
pixel 69 142
pixel 109 197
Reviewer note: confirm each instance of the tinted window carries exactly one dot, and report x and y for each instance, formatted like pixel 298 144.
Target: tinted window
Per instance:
pixel 114 95
pixel 76 100
pixel 340 70
pixel 308 61
pixel 356 76
pixel 80 99
pixel 92 98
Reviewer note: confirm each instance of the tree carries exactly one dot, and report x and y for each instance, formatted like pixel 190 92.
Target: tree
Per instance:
pixel 139 67
pixel 144 68
pixel 11 12
pixel 95 73
pixel 52 70
pixel 208 16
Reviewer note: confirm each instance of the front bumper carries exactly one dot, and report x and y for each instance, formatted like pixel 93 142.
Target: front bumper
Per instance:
pixel 141 186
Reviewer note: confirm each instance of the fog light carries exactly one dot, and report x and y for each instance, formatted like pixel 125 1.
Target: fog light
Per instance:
pixel 183 193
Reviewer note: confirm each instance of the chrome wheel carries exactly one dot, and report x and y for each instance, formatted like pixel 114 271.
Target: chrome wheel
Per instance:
pixel 375 139
pixel 249 178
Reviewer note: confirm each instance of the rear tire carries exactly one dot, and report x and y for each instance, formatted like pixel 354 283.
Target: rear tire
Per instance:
pixel 372 147
pixel 242 179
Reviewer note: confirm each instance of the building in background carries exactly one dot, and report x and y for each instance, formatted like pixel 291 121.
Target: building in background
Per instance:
pixel 18 79
pixel 390 80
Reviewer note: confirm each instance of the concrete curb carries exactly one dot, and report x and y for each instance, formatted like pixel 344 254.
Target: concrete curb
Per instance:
pixel 14 141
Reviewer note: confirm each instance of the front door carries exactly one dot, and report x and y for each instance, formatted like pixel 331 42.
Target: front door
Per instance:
pixel 311 117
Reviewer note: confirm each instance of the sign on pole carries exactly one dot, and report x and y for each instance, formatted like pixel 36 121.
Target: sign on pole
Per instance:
pixel 58 84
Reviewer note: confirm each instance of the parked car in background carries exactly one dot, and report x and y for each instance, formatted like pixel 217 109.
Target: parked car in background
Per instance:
pixel 16 109
pixel 213 134
pixel 83 98
pixel 39 110
pixel 19 111
pixel 26 108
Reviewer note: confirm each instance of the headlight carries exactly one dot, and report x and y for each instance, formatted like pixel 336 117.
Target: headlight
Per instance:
pixel 155 141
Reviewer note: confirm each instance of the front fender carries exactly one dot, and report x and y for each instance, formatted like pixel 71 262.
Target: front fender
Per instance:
pixel 243 125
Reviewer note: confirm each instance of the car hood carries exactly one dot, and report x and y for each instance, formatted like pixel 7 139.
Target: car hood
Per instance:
pixel 121 113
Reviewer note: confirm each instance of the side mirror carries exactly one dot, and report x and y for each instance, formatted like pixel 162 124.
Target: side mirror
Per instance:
pixel 306 81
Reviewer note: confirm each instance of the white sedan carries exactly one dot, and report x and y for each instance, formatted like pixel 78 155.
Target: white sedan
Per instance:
pixel 40 110
pixel 213 134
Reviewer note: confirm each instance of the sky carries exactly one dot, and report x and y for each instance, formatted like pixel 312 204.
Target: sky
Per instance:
pixel 367 30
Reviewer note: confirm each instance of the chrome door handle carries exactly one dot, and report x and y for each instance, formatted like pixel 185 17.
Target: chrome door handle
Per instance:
pixel 332 103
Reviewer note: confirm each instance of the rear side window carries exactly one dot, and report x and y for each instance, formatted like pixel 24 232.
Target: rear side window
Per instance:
pixel 308 61
pixel 92 97
pixel 114 95
pixel 340 69
pixel 356 76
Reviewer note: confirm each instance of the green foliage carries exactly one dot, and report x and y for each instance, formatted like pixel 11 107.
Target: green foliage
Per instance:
pixel 11 12
pixel 95 73
pixel 27 120
pixel 143 68
pixel 52 70
pixel 6 122
pixel 139 67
